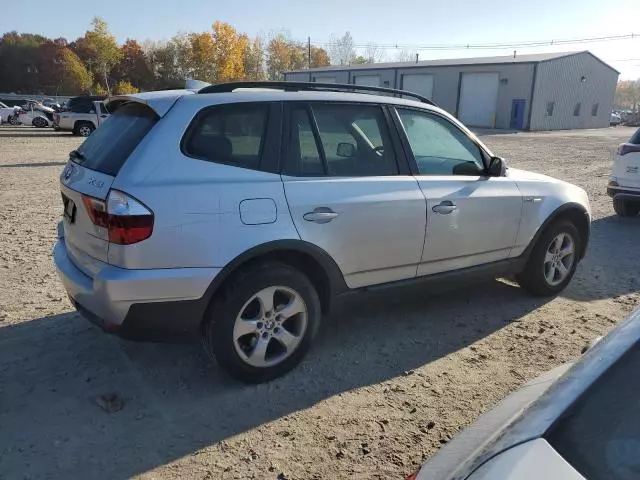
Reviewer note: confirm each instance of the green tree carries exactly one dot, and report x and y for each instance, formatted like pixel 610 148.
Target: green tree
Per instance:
pixel 104 49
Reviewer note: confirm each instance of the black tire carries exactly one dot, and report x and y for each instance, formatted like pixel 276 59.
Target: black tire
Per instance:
pixel 219 321
pixel 83 129
pixel 14 120
pixel 626 208
pixel 532 278
pixel 39 122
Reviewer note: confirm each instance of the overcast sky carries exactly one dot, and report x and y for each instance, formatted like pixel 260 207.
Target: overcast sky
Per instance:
pixel 386 22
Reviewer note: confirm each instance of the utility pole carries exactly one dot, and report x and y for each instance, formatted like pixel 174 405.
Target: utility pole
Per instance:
pixel 309 50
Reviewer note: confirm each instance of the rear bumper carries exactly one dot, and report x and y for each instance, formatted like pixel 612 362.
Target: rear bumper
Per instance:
pixel 155 304
pixel 623 193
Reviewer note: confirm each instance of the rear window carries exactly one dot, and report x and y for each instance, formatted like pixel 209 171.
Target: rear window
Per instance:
pixel 106 149
pixel 231 134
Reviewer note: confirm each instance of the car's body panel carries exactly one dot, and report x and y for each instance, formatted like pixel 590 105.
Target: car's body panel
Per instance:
pixel 529 461
pixel 83 237
pixel 483 227
pixel 542 196
pixel 532 411
pixel 379 232
pixel 111 291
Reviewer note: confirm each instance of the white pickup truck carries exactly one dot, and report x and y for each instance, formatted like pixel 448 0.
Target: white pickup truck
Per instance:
pixel 82 124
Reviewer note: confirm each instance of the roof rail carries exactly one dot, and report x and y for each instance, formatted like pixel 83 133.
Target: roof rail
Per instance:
pixel 311 86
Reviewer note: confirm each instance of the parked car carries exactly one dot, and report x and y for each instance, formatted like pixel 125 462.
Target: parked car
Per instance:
pixel 82 124
pixel 615 119
pixel 243 212
pixel 6 113
pixel 36 114
pixel 575 422
pixel 83 103
pixel 624 184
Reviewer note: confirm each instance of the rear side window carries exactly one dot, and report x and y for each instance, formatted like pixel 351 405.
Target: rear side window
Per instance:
pixel 635 140
pixel 231 134
pixel 106 149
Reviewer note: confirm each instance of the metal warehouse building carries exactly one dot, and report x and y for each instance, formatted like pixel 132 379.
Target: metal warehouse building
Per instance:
pixel 548 91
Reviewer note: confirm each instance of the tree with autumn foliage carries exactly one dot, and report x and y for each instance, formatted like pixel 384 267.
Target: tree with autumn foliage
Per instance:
pixel 133 67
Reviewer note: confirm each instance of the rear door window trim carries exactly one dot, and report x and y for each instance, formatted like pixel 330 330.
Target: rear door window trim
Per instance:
pixel 287 168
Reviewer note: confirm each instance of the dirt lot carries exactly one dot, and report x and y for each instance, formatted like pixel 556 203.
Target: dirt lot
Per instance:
pixel 388 382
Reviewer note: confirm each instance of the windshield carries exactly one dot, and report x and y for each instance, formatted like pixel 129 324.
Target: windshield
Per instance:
pixel 106 149
pixel 2 105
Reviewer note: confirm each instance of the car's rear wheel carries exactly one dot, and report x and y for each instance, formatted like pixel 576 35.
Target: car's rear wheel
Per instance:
pixel 553 260
pixel 14 120
pixel 84 129
pixel 626 208
pixel 263 322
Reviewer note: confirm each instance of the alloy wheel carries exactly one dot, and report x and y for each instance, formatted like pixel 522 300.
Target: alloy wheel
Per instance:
pixel 559 259
pixel 270 326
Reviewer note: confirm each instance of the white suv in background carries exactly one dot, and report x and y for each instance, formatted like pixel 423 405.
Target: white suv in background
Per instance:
pixel 245 211
pixel 624 184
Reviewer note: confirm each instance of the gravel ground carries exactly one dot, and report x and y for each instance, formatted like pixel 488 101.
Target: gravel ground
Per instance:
pixel 388 382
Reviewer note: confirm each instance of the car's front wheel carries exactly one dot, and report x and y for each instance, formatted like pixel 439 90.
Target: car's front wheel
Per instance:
pixel 553 260
pixel 263 322
pixel 14 120
pixel 626 208
pixel 39 122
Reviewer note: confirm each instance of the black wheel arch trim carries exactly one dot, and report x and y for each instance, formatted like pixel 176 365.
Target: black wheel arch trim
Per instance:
pixel 558 212
pixel 334 276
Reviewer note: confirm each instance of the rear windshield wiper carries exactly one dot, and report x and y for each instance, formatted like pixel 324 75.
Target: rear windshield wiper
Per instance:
pixel 76 155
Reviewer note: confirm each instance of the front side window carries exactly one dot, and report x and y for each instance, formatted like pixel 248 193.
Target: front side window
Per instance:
pixel 439 147
pixel 341 140
pixel 231 134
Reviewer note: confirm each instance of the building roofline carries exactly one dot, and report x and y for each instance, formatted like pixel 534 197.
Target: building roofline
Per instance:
pixel 429 64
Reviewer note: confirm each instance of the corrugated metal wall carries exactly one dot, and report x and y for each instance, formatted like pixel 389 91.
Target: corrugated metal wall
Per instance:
pixel 559 81
pixel 515 83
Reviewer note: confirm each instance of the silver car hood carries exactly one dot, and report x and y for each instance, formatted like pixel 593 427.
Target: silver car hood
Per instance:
pixel 517 174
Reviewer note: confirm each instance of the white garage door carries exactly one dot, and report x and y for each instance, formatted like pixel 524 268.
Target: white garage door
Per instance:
pixel 420 84
pixel 478 99
pixel 325 79
pixel 369 80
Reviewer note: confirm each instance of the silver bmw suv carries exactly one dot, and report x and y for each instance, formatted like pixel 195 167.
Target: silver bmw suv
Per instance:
pixel 243 212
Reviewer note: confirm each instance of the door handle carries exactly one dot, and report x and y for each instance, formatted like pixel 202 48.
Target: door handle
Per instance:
pixel 320 215
pixel 445 208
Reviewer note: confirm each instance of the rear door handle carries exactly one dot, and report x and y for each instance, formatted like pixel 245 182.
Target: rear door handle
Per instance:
pixel 320 215
pixel 445 208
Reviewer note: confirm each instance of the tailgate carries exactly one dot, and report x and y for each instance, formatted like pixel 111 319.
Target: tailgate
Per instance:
pixel 82 237
pixel 627 169
pixel 89 174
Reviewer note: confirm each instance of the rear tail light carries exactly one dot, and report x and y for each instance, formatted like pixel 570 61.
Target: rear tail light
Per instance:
pixel 625 148
pixel 122 219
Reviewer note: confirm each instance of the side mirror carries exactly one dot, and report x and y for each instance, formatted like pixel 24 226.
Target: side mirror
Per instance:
pixel 497 167
pixel 346 150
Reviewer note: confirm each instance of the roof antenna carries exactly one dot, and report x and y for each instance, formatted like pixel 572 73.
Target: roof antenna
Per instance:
pixel 514 54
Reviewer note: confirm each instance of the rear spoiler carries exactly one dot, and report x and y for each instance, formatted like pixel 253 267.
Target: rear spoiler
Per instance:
pixel 160 102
